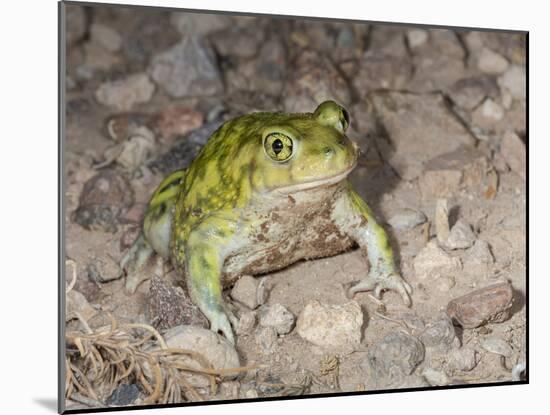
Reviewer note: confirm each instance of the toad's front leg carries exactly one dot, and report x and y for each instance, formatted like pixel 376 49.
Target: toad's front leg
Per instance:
pixel 200 257
pixel 355 219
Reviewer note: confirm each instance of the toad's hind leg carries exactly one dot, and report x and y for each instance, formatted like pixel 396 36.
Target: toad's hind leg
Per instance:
pixel 155 233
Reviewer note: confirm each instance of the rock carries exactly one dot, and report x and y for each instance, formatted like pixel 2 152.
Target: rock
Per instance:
pixel 489 111
pixel 106 37
pixel 479 258
pixel 251 394
pixel 441 221
pixel 241 42
pixel 75 23
pixel 104 198
pixel 408 144
pixel 468 93
pixel 440 334
pixel 381 71
pixel 413 381
pixel 123 94
pixel 446 174
pixel 445 283
pixel 514 81
pixel 247 322
pixel 407 219
pixel 134 151
pixel 176 120
pixel 103 270
pixel 266 338
pixel 497 346
pixel 278 317
pixel 514 153
pixel 438 63
pixel 187 69
pixel 461 237
pixel 199 24
pixel 314 79
pixel 463 360
pixel 96 59
pixel 416 37
pixel 119 127
pixel 124 394
pixel 331 326
pixel 245 291
pixel 171 306
pixel 433 262
pixel 491 62
pixel 389 40
pixel 490 304
pixel 395 356
pixel 76 302
pixel 215 348
pixel 435 377
pixel 265 74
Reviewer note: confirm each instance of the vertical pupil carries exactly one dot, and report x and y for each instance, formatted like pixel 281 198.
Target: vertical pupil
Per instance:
pixel 277 146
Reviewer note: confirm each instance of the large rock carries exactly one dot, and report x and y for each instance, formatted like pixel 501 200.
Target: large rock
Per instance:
pixel 446 174
pixel 419 127
pixel 491 304
pixel 334 327
pixel 189 68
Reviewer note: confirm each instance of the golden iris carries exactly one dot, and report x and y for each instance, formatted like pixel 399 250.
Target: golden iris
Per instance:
pixel 278 146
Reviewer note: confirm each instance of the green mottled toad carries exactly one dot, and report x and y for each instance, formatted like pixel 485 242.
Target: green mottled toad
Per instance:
pixel 267 190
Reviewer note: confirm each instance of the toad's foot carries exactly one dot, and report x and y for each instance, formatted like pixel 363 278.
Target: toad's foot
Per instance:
pixel 221 321
pixel 133 262
pixel 377 282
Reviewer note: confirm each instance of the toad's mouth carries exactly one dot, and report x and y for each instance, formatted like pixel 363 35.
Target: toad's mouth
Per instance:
pixel 325 181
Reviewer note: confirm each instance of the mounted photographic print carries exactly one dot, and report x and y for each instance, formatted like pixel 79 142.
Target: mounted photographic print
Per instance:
pixel 275 207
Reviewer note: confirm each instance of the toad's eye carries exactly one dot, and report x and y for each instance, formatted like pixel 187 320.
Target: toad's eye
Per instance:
pixel 278 146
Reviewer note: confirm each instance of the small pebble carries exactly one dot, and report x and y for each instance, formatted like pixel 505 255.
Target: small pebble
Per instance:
pixel 106 37
pixel 245 291
pixel 278 317
pixel 497 346
pixel 461 236
pixel 514 80
pixel 491 62
pixel 247 322
pixel 266 338
pixel 464 360
pixel 433 262
pixel 435 377
pixel 123 94
pixel 416 37
pixel 491 110
pixel 407 219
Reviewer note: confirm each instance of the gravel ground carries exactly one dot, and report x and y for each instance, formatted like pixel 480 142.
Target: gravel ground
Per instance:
pixel 440 117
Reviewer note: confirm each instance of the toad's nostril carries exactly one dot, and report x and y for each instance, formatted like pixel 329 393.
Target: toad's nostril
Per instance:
pixel 328 151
